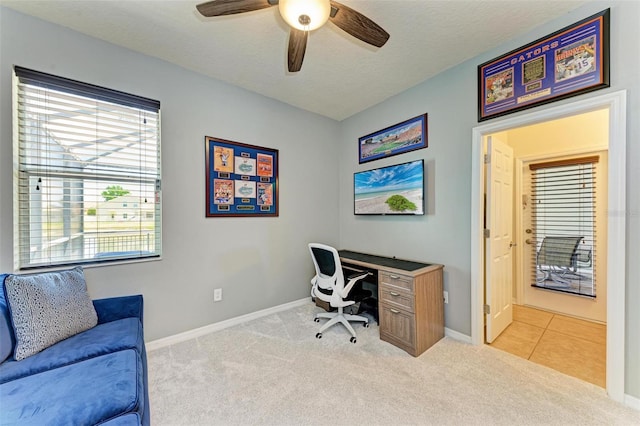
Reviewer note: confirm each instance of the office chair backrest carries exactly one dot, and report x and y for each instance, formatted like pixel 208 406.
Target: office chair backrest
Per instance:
pixel 328 268
pixel 325 260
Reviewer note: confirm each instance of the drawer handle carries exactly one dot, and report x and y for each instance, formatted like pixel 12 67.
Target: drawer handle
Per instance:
pixel 394 294
pixel 395 277
pixel 393 311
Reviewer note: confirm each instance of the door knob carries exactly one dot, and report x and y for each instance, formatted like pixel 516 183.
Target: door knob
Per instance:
pixel 512 244
pixel 528 230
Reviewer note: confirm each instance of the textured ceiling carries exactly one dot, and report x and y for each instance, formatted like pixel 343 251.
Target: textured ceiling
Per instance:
pixel 340 76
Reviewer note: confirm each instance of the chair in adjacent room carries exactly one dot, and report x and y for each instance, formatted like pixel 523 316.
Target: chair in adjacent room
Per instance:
pixel 558 257
pixel 329 285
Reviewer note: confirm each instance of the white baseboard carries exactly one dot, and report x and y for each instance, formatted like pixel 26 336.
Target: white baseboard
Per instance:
pixel 632 402
pixel 457 335
pixel 198 332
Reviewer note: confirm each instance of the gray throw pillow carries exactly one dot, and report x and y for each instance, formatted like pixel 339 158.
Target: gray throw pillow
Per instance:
pixel 47 308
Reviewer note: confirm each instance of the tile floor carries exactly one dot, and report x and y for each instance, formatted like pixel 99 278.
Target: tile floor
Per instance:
pixel 569 345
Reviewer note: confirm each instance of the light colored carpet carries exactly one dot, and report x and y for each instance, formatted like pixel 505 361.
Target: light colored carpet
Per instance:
pixel 273 371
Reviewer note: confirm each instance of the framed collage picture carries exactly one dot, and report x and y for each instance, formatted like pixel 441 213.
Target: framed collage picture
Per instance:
pixel 242 179
pixel 569 62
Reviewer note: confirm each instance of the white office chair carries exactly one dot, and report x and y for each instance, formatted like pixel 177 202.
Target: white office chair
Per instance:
pixel 329 285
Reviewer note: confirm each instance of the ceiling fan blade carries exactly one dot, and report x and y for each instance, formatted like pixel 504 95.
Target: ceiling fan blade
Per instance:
pixel 297 47
pixel 231 7
pixel 357 25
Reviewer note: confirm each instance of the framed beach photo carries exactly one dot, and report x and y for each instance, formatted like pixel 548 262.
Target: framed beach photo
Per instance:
pixel 403 137
pixel 241 179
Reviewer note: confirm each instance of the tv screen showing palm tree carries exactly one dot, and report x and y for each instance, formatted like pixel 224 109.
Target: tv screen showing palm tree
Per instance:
pixel 391 190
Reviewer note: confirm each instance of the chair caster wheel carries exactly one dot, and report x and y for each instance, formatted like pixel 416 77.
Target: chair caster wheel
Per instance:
pixel 352 340
pixel 318 335
pixel 316 320
pixel 366 325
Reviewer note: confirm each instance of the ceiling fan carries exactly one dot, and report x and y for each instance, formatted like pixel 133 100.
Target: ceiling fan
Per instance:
pixel 304 16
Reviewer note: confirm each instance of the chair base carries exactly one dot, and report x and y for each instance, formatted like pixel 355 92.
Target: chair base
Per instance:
pixel 561 276
pixel 341 318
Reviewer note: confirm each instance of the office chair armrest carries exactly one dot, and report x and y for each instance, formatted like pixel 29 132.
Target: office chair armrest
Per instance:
pixel 353 279
pixel 358 275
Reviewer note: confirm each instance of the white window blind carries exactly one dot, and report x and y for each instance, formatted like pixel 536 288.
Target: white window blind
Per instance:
pixel 87 179
pixel 564 225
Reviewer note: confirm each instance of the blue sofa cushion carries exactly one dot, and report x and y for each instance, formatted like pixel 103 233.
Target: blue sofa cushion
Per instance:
pixel 7 340
pixel 102 339
pixel 86 393
pixel 47 308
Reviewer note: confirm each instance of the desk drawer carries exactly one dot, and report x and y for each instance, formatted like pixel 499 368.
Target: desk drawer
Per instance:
pixel 397 280
pixel 398 327
pixel 398 298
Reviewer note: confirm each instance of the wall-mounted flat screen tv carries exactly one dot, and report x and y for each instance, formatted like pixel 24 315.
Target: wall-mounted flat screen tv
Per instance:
pixel 391 190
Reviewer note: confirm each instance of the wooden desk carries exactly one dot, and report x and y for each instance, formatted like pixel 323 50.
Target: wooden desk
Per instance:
pixel 410 300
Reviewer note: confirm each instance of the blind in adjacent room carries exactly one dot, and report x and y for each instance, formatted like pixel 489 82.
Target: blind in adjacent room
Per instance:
pixel 87 172
pixel 564 205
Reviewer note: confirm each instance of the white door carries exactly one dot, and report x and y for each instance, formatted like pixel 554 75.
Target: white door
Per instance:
pixel 499 216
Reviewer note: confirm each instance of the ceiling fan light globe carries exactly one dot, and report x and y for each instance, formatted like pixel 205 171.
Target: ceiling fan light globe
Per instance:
pixel 317 10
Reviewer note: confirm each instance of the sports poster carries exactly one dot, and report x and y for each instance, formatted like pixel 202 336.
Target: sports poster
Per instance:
pixel 265 165
pixel 245 189
pixel 265 194
pixel 223 159
pixel 245 166
pixel 242 179
pixel 223 191
pixel 567 63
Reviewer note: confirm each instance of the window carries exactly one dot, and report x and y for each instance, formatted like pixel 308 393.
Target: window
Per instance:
pixel 82 154
pixel 564 213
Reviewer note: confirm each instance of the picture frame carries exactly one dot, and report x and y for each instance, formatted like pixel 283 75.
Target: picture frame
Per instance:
pixel 241 179
pixel 406 136
pixel 569 62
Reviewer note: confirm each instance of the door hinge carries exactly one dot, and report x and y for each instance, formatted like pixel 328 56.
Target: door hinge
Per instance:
pixel 487 309
pixel 487 159
pixel 487 233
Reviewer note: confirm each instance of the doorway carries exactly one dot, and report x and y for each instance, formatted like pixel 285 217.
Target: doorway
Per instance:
pixel 615 104
pixel 541 217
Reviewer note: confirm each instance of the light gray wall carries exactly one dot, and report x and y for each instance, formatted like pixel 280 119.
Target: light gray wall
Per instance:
pixel 258 262
pixel 442 235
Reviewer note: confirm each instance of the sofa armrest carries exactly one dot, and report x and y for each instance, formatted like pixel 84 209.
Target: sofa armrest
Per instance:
pixel 115 308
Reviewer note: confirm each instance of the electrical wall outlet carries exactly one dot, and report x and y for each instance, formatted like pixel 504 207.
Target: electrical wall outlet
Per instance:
pixel 446 296
pixel 217 295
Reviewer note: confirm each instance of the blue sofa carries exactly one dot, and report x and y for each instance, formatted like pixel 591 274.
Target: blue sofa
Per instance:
pixel 98 376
